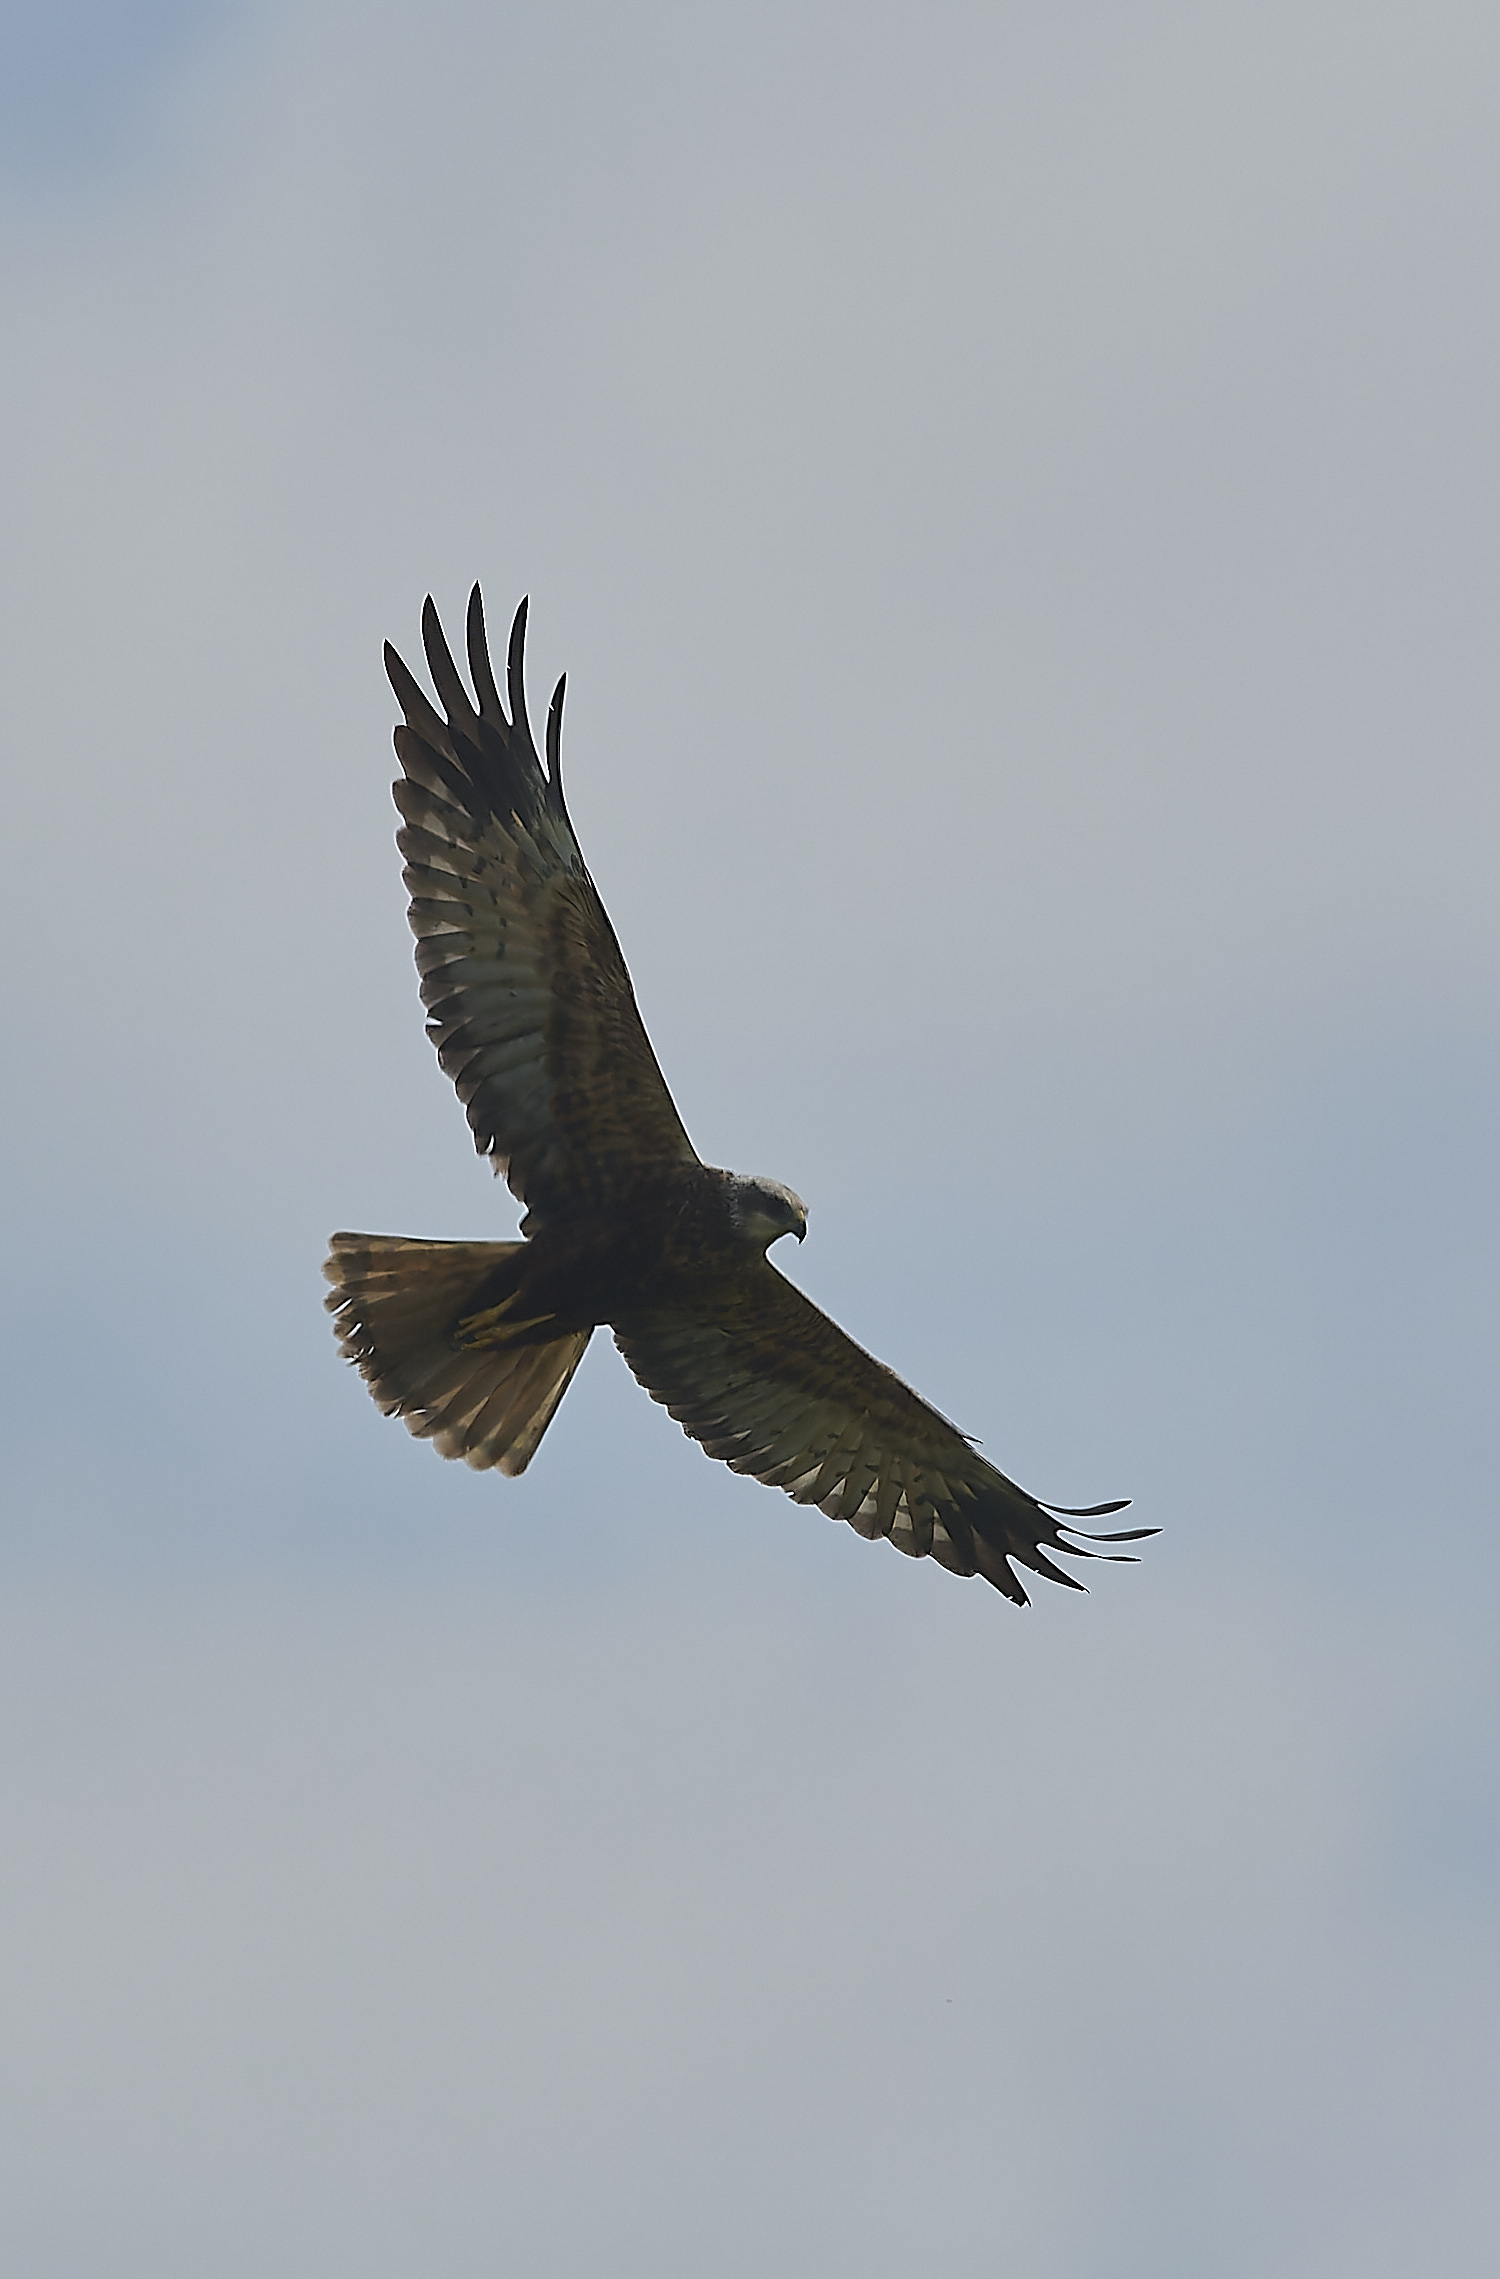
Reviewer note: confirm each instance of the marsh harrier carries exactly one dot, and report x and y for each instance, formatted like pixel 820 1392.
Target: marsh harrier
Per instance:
pixel 533 1016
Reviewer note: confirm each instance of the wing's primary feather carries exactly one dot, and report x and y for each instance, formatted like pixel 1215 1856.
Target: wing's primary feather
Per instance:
pixel 766 1382
pixel 529 1002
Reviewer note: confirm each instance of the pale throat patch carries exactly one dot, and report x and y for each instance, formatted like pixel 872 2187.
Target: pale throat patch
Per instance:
pixel 764 1209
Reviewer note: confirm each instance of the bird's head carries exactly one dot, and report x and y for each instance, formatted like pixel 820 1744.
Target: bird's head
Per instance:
pixel 762 1210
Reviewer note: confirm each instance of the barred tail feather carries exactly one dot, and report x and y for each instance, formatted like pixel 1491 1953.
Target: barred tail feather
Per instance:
pixel 396 1305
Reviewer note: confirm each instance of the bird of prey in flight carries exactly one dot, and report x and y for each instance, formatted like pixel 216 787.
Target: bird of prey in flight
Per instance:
pixel 533 1017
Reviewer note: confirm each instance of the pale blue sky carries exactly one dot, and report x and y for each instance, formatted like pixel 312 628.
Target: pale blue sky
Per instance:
pixel 83 82
pixel 1015 491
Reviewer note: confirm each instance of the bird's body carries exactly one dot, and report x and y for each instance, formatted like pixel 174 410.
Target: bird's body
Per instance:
pixel 667 1237
pixel 533 1016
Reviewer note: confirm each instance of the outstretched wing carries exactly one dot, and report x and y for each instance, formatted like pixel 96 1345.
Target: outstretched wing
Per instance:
pixel 528 1000
pixel 766 1382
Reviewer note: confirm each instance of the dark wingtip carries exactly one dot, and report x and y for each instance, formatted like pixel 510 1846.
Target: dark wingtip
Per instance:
pixel 515 675
pixel 554 735
pixel 1068 1513
pixel 1118 1535
pixel 446 679
pixel 1091 1511
pixel 481 672
pixel 419 713
pixel 1100 1511
pixel 432 634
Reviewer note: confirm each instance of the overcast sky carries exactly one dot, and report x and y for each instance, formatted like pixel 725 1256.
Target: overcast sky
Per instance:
pixel 1015 488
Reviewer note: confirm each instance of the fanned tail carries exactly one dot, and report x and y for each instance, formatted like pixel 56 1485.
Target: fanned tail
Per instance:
pixel 403 1315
